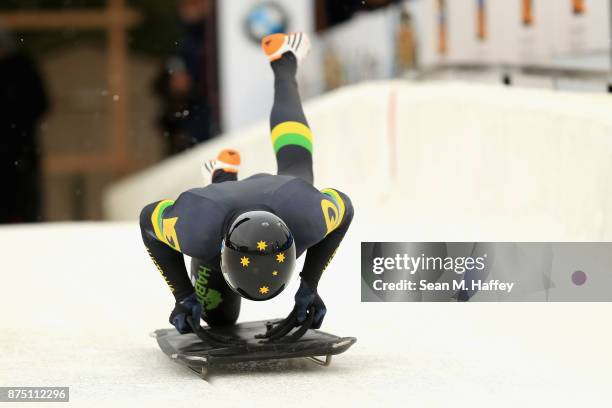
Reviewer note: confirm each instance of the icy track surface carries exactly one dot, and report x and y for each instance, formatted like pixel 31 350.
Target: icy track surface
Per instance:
pixel 78 301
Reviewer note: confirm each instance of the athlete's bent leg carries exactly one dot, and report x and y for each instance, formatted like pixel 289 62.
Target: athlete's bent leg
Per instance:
pixel 220 304
pixel 291 136
pixel 223 168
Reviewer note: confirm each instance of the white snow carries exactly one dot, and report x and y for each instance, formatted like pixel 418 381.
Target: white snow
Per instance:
pixel 77 302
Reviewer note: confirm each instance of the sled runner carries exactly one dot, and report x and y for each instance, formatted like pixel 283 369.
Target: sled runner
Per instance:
pixel 237 344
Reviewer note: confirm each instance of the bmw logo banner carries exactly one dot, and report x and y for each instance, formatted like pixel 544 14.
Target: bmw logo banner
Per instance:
pixel 264 19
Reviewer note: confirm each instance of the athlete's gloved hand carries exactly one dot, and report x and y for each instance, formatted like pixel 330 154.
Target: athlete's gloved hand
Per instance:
pixel 307 298
pixel 307 313
pixel 188 307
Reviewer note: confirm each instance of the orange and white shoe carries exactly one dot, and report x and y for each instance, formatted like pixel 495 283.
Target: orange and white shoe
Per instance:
pixel 275 45
pixel 227 160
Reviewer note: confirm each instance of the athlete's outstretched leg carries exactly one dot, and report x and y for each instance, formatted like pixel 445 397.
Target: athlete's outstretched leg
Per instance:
pixel 291 136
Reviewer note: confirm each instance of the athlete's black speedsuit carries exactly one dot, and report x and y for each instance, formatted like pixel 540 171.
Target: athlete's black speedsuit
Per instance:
pixel 195 223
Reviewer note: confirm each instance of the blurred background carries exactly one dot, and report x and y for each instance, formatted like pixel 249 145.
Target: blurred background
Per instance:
pixel 94 91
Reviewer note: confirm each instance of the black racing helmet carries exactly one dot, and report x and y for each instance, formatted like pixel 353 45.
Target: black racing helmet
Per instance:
pixel 258 255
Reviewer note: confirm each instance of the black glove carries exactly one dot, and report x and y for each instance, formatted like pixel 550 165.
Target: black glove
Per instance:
pixel 307 298
pixel 188 307
pixel 308 313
